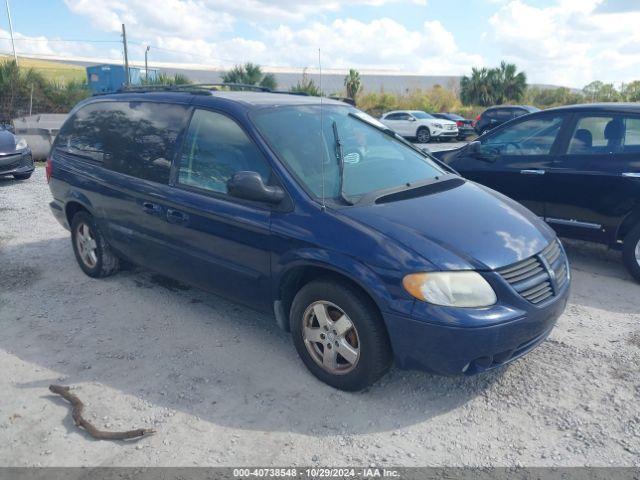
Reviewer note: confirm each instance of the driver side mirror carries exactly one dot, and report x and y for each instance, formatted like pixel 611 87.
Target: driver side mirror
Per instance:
pixel 249 186
pixel 474 149
pixel 412 119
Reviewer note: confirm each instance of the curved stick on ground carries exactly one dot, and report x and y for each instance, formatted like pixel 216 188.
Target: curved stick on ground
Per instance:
pixel 76 412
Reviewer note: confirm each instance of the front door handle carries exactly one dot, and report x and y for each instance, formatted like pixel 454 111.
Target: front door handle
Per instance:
pixel 533 171
pixel 176 216
pixel 151 208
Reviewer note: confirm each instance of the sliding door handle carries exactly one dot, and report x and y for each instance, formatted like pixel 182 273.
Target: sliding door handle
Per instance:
pixel 533 171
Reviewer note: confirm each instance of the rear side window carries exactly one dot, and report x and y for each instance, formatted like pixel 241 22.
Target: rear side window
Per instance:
pixel 215 148
pixel 134 138
pixel 605 134
pixel 528 137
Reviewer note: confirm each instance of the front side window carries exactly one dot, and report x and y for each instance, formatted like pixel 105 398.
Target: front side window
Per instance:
pixel 215 148
pixel 529 137
pixel 597 135
pixel 422 115
pixel 134 138
pixel 305 142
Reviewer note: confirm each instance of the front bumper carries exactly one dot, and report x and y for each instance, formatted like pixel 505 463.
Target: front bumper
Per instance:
pixel 20 163
pixel 471 340
pixel 445 133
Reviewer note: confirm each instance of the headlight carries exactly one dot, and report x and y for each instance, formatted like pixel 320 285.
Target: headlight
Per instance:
pixel 450 289
pixel 21 144
pixel 437 125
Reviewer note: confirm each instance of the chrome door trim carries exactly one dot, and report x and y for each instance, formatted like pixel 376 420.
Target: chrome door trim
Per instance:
pixel 573 223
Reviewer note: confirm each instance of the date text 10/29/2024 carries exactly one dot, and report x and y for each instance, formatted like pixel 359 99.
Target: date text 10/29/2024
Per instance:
pixel 316 472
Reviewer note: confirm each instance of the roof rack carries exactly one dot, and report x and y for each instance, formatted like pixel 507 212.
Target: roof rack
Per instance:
pixel 201 88
pixel 207 88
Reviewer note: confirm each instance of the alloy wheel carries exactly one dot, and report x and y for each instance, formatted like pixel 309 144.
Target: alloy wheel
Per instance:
pixel 330 337
pixel 86 245
pixel 424 136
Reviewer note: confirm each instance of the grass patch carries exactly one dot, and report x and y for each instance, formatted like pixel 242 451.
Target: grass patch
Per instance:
pixel 53 71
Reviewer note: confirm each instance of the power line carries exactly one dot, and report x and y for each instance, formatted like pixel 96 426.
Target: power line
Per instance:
pixel 59 40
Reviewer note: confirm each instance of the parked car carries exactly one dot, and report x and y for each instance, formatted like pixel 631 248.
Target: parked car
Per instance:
pixel 465 126
pixel 361 245
pixel 15 156
pixel 495 116
pixel 419 125
pixel 578 167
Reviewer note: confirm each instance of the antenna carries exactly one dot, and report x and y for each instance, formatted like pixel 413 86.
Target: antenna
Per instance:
pixel 323 206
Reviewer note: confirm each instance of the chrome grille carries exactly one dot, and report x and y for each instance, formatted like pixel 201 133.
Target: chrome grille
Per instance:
pixel 540 277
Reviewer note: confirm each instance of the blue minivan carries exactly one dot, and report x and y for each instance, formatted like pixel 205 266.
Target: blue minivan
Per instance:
pixel 365 248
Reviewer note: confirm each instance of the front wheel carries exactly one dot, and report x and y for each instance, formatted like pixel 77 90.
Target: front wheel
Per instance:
pixel 631 252
pixel 339 334
pixel 423 135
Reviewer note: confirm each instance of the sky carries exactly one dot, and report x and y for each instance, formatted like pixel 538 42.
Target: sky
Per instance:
pixel 559 42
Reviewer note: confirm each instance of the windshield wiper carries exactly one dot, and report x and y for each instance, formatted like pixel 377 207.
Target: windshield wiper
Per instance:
pixel 340 158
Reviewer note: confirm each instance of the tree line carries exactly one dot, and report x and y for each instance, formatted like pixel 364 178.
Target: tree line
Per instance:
pixel 24 90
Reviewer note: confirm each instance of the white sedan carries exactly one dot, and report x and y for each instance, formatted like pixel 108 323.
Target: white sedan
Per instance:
pixel 419 125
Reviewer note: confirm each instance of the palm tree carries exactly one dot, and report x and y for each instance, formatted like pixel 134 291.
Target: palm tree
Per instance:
pixel 477 89
pixel 493 86
pixel 250 74
pixel 512 84
pixel 353 83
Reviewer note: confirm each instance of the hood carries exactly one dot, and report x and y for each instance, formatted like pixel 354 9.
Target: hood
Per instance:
pixel 467 227
pixel 7 142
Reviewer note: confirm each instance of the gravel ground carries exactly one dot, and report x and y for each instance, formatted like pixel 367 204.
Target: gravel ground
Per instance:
pixel 223 386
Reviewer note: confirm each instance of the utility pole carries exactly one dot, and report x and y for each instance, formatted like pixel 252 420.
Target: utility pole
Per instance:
pixel 13 44
pixel 126 56
pixel 146 66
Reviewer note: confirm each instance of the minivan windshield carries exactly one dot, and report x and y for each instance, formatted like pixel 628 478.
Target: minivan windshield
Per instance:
pixel 373 160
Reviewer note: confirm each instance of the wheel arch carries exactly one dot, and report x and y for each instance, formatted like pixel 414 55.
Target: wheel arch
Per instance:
pixel 299 273
pixel 631 221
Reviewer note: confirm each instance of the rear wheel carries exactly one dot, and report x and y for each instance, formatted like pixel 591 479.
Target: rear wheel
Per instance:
pixel 92 251
pixel 423 135
pixel 631 252
pixel 339 334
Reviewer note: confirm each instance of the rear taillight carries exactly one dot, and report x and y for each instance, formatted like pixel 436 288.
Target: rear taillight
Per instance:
pixel 460 123
pixel 48 169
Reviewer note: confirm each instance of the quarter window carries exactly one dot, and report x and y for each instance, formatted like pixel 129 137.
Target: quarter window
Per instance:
pixel 599 135
pixel 215 148
pixel 529 137
pixel 134 138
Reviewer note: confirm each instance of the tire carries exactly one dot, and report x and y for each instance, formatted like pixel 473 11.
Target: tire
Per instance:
pixel 22 176
pixel 362 337
pixel 631 252
pixel 100 261
pixel 423 135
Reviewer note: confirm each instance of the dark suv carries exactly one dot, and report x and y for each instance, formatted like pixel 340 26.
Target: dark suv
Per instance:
pixel 578 167
pixel 361 245
pixel 495 116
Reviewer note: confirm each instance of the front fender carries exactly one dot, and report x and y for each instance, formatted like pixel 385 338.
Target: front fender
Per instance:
pixel 383 286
